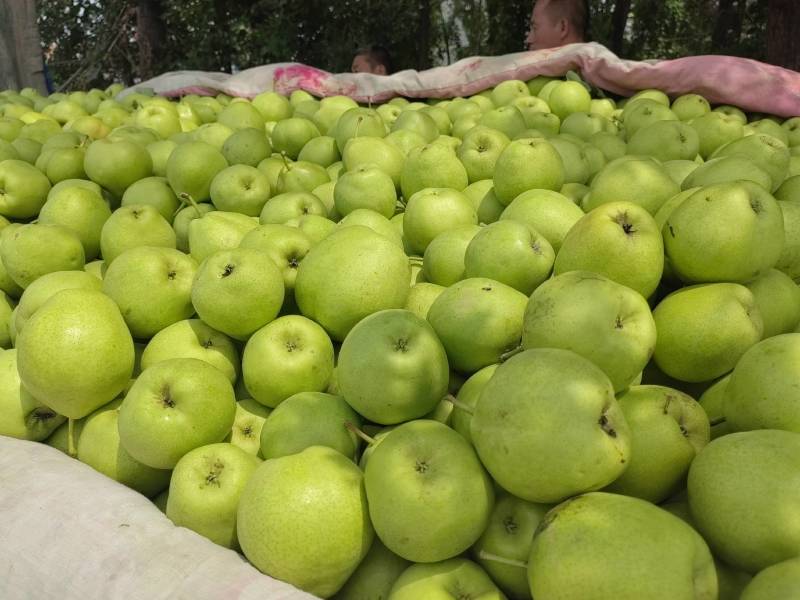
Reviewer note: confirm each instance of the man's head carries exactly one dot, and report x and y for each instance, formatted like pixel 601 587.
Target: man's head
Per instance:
pixel 558 23
pixel 372 59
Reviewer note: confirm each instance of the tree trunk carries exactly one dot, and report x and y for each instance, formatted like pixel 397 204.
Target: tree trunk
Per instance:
pixel 619 20
pixel 728 27
pixel 21 63
pixel 151 35
pixel 783 39
pixel 424 39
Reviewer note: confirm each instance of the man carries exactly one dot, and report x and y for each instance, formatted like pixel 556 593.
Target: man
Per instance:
pixel 372 59
pixel 557 23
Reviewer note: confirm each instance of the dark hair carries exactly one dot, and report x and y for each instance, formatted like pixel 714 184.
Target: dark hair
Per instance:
pixel 575 11
pixel 377 55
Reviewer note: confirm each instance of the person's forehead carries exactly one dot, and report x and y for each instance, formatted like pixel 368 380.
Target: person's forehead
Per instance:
pixel 540 9
pixel 360 59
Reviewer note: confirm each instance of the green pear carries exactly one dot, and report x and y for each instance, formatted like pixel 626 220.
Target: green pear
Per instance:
pixel 512 253
pixel 668 429
pixel 432 211
pixel 134 226
pixel 237 291
pixel 511 177
pixel 569 97
pixel 290 135
pixel 239 115
pixel 173 407
pixel 205 488
pixel 765 151
pixel 635 179
pixel 585 125
pixel 789 190
pixel 405 140
pixel 23 417
pixel 159 153
pixel 116 163
pixel 247 146
pixel 778 300
pixel 443 260
pixel 213 134
pixel 727 169
pixel 619 240
pixel 413 479
pixel 769 126
pixel 375 575
pixel 602 321
pixel 376 151
pixel 644 112
pixel 152 286
pixel 741 486
pixel 191 338
pixel 510 535
pixel 728 232
pixel 508 91
pixel 665 140
pixel 357 122
pixel 300 176
pixel 715 129
pixel 247 424
pixel 479 151
pixel 99 447
pixel 27 149
pixel 690 106
pixel 392 368
pixel 432 166
pixel 192 167
pixel 307 530
pixel 7 313
pixel 75 353
pixel 704 330
pixel 446 580
pixel 309 419
pixel 291 354
pixel 485 201
pixel 321 150
pixel 506 119
pixel 421 297
pixel 272 106
pixel 377 278
pixel 550 213
pixel 45 287
pixel 365 186
pixel 240 189
pixel 291 205
pixel 761 393
pixel 477 321
pixel 218 230
pixel 607 538
pixel 418 122
pixel 33 250
pixel 781 580
pixel 610 144
pixel 182 220
pixel 316 227
pixel 547 426
pixel 154 191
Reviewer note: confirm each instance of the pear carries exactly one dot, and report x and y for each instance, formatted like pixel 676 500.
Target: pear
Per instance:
pixel 76 353
pixel 443 261
pixel 550 213
pixel 432 211
pixel 375 575
pixel 589 547
pixel 467 398
pixel 781 580
pixel 712 401
pixel 33 250
pixel 762 392
pixel 547 426
pixel 192 167
pixel 449 579
pixel 727 169
pixel 309 530
pixel 603 321
pixel 413 478
pixel 512 177
pixel 765 151
pixel 45 287
pixel 778 300
pixel 134 226
pixel 637 179
pixel 741 486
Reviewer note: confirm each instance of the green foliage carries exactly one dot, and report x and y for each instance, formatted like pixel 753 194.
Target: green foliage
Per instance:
pixel 99 37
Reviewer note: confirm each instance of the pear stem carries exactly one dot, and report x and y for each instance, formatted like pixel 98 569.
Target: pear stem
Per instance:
pixel 415 261
pixel 187 200
pixel 71 438
pixel 458 404
pixel 483 555
pixel 506 355
pixel 717 421
pixel 285 160
pixel 353 429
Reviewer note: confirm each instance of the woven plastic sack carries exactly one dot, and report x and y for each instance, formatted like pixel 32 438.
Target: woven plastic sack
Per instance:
pixel 69 533
pixel 752 85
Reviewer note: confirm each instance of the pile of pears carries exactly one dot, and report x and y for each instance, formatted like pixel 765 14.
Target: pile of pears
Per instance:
pixel 527 344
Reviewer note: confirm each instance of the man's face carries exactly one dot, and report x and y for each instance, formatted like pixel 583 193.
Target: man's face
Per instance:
pixel 544 31
pixel 362 64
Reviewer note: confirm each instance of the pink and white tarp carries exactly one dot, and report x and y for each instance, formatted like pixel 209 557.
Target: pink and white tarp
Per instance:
pixel 752 85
